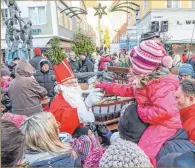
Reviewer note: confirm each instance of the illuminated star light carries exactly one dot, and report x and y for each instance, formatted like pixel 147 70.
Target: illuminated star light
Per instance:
pixel 100 10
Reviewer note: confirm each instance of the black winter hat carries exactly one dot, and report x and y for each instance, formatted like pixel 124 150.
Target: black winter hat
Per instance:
pixel 43 62
pixel 131 127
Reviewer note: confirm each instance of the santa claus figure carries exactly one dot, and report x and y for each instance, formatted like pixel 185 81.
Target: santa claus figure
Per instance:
pixel 69 107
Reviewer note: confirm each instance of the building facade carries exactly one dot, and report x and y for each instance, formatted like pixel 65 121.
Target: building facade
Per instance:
pixel 47 21
pixel 173 19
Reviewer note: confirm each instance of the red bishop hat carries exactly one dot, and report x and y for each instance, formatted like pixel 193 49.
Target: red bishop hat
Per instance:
pixel 63 72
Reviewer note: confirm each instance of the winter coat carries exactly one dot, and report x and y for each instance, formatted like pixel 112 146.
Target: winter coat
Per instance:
pixel 177 61
pixel 122 64
pixel 45 159
pixel 188 121
pixel 46 80
pixel 24 91
pixel 12 68
pixel 178 143
pixel 156 106
pixel 184 58
pixel 192 62
pixel 36 60
pixel 75 65
pixel 5 85
pixel 186 159
pixel 64 114
pixel 87 66
pixel 104 60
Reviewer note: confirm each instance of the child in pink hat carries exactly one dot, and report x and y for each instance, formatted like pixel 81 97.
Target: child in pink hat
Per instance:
pixel 154 95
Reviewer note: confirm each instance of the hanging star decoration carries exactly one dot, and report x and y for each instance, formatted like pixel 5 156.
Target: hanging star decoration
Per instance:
pixel 100 10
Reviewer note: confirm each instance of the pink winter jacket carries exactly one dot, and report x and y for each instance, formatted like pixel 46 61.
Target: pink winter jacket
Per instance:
pixel 156 106
pixel 103 60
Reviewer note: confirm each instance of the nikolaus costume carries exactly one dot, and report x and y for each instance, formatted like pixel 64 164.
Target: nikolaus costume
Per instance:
pixel 70 114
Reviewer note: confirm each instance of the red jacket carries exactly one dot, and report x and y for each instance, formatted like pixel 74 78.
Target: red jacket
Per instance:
pixel 64 114
pixel 188 121
pixel 103 60
pixel 184 58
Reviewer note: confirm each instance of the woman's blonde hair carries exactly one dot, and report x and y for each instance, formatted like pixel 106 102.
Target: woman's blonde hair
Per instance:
pixel 42 134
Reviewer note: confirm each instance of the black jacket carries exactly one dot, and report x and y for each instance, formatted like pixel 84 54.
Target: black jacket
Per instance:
pixel 36 60
pixel 87 66
pixel 179 143
pixel 12 67
pixel 75 65
pixel 46 80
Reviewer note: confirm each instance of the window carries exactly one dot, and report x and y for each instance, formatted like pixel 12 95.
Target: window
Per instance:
pixel 6 15
pixel 173 3
pixel 144 5
pixel 66 22
pixel 60 18
pixel 192 3
pixel 70 23
pixel 37 15
pixel 176 4
pixel 169 3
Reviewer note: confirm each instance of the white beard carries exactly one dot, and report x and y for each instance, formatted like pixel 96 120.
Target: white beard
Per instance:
pixel 73 95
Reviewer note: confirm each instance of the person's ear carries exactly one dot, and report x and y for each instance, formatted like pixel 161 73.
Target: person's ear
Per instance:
pixel 192 99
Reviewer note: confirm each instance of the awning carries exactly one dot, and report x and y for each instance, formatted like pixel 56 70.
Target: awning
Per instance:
pixel 37 42
pixel 184 41
pixel 40 42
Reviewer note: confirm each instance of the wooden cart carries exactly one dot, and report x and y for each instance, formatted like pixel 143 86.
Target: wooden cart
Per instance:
pixel 108 112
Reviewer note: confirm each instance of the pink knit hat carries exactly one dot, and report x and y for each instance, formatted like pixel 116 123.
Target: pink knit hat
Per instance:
pixel 147 56
pixel 167 61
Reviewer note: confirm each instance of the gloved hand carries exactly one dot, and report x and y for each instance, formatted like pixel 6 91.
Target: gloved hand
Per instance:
pixel 101 85
pixel 94 97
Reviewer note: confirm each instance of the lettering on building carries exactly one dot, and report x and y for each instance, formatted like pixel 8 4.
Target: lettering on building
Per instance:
pixel 189 22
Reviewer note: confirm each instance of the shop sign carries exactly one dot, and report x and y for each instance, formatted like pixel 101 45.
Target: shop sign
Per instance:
pixel 36 31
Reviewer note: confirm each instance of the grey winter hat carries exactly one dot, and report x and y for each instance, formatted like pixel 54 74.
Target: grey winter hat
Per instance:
pixel 124 154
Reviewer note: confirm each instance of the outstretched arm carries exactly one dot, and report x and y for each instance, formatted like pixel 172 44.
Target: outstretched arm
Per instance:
pixel 117 89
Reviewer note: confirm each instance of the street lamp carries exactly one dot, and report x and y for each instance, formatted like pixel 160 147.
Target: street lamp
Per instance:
pixel 118 31
pixel 137 9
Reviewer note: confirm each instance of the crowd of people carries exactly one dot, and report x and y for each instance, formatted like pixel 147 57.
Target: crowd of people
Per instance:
pixel 46 121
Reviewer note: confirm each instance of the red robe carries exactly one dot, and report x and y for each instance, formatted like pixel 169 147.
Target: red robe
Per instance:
pixel 188 121
pixel 65 114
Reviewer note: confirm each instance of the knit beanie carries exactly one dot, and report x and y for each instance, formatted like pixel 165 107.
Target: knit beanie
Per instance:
pixel 37 51
pixel 80 131
pixel 147 56
pixel 43 62
pixel 186 69
pixel 5 71
pixel 130 126
pixel 167 62
pixel 124 154
pixel 94 158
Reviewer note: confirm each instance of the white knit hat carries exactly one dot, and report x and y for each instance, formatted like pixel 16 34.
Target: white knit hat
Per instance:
pixel 124 154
